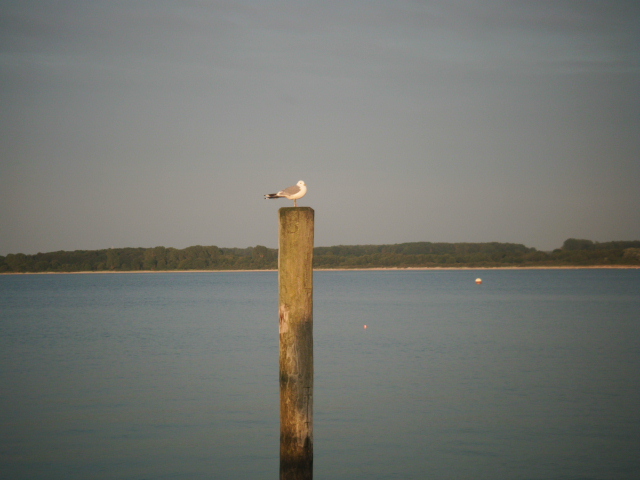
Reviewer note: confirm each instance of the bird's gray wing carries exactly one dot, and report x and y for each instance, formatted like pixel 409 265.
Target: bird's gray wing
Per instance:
pixel 290 190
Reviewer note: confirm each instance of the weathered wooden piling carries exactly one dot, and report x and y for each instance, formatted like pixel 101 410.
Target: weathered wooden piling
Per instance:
pixel 295 278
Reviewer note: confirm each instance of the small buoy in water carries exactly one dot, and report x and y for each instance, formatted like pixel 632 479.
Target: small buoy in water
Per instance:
pixel 478 281
pixel 365 327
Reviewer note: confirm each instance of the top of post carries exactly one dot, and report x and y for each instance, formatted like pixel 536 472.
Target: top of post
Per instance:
pixel 296 209
pixel 292 216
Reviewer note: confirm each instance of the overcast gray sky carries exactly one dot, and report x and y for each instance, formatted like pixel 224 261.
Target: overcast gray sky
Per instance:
pixel 143 123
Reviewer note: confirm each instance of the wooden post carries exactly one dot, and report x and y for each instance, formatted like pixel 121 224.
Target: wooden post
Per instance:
pixel 295 276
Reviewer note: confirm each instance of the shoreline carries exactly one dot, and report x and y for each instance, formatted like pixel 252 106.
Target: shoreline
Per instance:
pixel 377 269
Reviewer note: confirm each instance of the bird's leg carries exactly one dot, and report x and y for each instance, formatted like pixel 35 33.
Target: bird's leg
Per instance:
pixel 295 203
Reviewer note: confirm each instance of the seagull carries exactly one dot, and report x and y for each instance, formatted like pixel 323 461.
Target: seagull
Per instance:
pixel 299 190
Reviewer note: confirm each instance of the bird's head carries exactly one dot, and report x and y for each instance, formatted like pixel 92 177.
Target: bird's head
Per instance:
pixel 301 183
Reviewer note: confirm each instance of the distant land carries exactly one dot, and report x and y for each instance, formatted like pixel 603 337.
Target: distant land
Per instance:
pixel 573 253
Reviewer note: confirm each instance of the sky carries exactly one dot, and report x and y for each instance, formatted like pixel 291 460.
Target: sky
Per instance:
pixel 139 123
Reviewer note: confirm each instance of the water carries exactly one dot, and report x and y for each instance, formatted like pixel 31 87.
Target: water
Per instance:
pixel 535 374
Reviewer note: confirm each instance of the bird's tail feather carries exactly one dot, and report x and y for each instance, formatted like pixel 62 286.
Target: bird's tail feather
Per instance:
pixel 271 195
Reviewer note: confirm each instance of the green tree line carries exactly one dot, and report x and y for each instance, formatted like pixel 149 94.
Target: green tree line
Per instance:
pixel 574 252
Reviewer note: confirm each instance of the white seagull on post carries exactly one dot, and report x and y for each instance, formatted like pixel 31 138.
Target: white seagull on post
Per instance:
pixel 299 190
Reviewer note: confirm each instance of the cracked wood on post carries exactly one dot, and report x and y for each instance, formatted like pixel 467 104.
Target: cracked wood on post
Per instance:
pixel 295 278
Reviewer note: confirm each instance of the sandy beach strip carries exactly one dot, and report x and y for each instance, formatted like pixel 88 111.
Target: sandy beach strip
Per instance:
pixel 380 269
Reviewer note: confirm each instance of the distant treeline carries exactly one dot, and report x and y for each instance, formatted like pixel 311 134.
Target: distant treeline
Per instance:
pixel 574 252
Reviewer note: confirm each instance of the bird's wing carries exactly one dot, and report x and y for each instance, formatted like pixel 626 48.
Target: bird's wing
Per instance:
pixel 290 190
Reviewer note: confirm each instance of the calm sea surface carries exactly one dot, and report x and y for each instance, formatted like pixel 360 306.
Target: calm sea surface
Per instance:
pixel 535 374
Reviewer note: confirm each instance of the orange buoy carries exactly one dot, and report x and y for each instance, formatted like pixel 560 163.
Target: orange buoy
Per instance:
pixel 478 281
pixel 365 327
